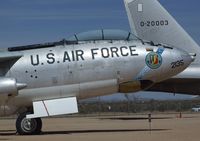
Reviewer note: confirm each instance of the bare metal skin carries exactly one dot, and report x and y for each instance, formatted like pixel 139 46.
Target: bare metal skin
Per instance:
pixel 148 20
pixel 46 80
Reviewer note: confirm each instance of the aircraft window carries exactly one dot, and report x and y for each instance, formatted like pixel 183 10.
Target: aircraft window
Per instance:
pixel 94 35
pixel 103 35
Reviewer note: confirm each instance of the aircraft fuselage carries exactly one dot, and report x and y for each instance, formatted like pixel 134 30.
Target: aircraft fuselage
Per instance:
pixel 88 69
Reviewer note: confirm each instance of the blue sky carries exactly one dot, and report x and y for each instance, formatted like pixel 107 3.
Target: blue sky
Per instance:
pixel 36 21
pixel 24 22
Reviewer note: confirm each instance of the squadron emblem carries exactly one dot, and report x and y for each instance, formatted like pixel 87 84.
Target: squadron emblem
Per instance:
pixel 153 60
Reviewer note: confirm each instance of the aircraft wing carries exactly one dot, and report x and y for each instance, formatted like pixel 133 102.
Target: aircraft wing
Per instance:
pixel 7 59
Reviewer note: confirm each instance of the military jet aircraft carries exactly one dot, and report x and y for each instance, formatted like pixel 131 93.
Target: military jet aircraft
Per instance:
pixel 44 80
pixel 148 20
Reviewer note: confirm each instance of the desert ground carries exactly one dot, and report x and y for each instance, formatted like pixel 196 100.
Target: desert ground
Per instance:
pixel 164 127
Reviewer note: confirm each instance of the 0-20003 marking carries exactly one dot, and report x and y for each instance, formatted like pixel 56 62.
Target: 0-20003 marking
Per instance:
pixel 154 23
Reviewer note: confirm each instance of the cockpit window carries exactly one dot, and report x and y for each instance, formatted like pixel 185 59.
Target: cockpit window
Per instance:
pixel 108 34
pixel 94 35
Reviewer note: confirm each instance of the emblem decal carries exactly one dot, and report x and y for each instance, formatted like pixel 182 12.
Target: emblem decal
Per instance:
pixel 153 60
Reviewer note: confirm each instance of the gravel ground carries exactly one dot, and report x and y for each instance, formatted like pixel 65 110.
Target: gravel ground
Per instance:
pixel 164 127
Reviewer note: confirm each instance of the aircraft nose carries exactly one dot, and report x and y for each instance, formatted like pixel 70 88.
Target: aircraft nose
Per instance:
pixel 165 63
pixel 186 58
pixel 176 61
pixel 193 56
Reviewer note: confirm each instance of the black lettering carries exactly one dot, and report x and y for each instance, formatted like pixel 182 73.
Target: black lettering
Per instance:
pixel 148 23
pixel 79 54
pixel 173 64
pixel 157 23
pixel 162 23
pixel 66 57
pixel 37 60
pixel 177 64
pixel 50 57
pixel 105 53
pixel 152 23
pixel 94 53
pixel 132 50
pixel 122 50
pixel 114 51
pixel 166 22
pixel 142 24
pixel 73 56
pixel 181 62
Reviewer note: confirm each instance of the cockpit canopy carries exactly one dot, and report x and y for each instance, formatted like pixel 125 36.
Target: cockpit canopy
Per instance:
pixel 95 35
pixel 108 34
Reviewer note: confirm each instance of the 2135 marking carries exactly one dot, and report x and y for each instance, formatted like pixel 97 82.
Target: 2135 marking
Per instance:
pixel 176 64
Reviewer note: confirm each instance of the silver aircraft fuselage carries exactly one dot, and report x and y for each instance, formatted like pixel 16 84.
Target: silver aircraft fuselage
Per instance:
pixel 45 80
pixel 87 69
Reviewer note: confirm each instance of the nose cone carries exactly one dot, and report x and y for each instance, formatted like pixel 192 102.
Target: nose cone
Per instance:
pixel 165 63
pixel 174 61
pixel 184 59
pixel 193 56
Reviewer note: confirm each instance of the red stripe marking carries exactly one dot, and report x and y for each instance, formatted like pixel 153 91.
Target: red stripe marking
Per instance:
pixel 45 108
